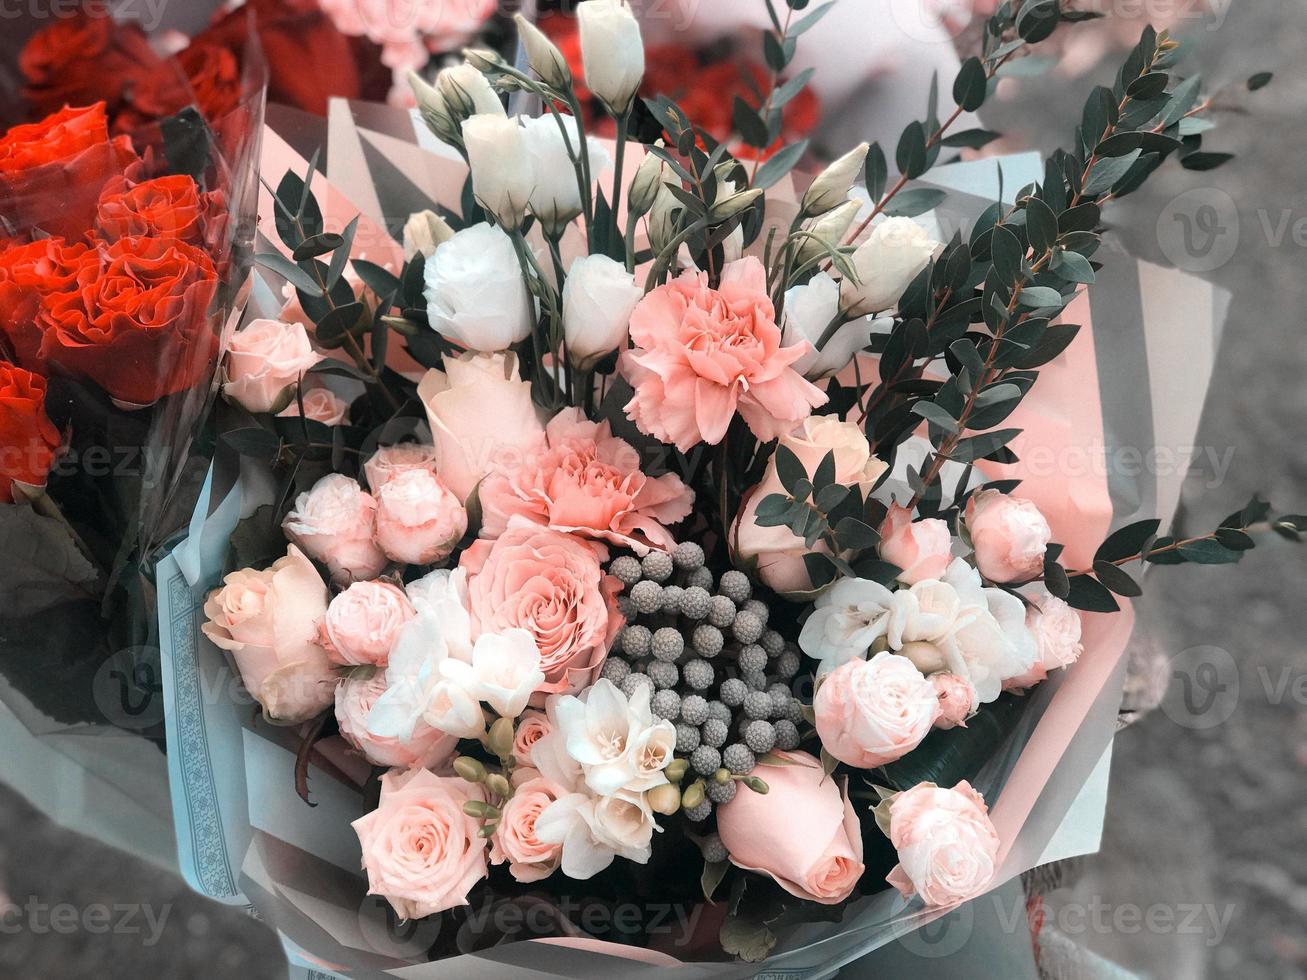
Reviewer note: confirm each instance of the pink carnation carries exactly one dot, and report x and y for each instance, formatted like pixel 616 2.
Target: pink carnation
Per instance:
pixel 702 353
pixel 587 481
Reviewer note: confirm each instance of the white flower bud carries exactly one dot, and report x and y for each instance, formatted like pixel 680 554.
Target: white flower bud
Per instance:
pixel 832 186
pixel 423 232
pixel 810 310
pixel 598 298
pixel 502 176
pixel 466 92
pixel 830 228
pixel 886 263
pixel 543 55
pixel 612 51
pixel 646 183
pixel 730 204
pixel 556 192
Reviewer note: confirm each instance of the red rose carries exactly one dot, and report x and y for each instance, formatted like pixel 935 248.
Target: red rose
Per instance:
pixel 52 171
pixel 204 75
pixel 28 439
pixel 165 207
pixel 28 274
pixel 137 323
pixel 82 59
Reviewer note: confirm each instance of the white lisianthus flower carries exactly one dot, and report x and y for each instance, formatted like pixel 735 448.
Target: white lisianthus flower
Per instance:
pixel 618 743
pixel 555 194
pixel 846 620
pixel 466 92
pixel 503 178
pixel 475 292
pixel 831 187
pixel 612 51
pixel 441 630
pixel 809 311
pixel 886 263
pixel 542 54
pixel 424 232
pixel 595 830
pixel 504 672
pixel 598 298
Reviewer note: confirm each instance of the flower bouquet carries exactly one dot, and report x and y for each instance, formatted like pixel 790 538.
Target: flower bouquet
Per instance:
pixel 124 239
pixel 675 576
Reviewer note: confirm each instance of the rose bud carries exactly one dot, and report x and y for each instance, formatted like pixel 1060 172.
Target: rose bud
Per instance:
pixel 886 263
pixel 760 830
pixel 418 520
pixel 956 695
pixel 320 405
pixel 555 193
pixel 423 232
pixel 1009 534
pixel 334 523
pixel 922 549
pixel 363 622
pixel 389 461
pixel 872 712
pixel 948 848
pixel 598 298
pixel 268 621
pixel 265 361
pixel 809 311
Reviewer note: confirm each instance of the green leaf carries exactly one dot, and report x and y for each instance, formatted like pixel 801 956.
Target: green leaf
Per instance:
pixel 1208 551
pixel 1260 80
pixel 317 245
pixel 1107 172
pixel 948 756
pixel 1056 339
pixel 971 85
pixel 1090 595
pixel 1038 20
pixel 853 535
pixel 820 569
pixel 876 172
pixel 1055 578
pixel 911 154
pixel 289 271
pixel 779 164
pixel 936 415
pixel 713 873
pixel 910 203
pixel 749 124
pixel 971 139
pixel 1073 267
pixel 333 327
pixel 978 447
pixel 825 474
pixel 1128 541
pixel 1041 226
pixel 1199 162
pixel 788 468
pixel 1040 297
pixel 1117 580
pixel 254 441
pixel 379 280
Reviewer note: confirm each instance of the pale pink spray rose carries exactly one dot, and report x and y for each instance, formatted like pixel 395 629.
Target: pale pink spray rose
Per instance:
pixel 871 712
pixel 1009 534
pixel 418 521
pixel 551 585
pixel 701 354
pixel 420 850
pixel 803 832
pixel 429 747
pixel 334 522
pixel 777 551
pixel 389 461
pixel 264 360
pixel 267 619
pixel 515 839
pixel 532 726
pixel 482 418
pixel 587 481
pixel 1056 629
pixel 408 31
pixel 922 549
pixel 948 848
pixel 956 695
pixel 320 405
pixel 363 622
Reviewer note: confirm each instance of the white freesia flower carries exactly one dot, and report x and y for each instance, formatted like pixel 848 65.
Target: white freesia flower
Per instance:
pixel 595 830
pixel 550 756
pixel 809 311
pixel 612 51
pixel 617 741
pixel 555 194
pixel 886 263
pixel 846 620
pixel 598 298
pixel 503 178
pixel 475 292
pixel 504 672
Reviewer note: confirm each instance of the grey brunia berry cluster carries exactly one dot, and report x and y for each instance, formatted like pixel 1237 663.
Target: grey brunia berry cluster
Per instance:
pixel 713 668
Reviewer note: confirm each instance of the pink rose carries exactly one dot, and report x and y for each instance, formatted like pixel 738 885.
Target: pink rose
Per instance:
pixel 363 622
pixel 515 838
pixel 587 481
pixel 948 848
pixel 777 551
pixel 409 31
pixel 334 522
pixel 551 585
pixel 266 359
pixel 482 418
pixel 702 353
pixel 1056 629
pixel 823 862
pixel 320 405
pixel 871 712
pixel 532 726
pixel 922 549
pixel 389 461
pixel 418 521
pixel 420 850
pixel 429 747
pixel 268 621
pixel 1009 534
pixel 956 696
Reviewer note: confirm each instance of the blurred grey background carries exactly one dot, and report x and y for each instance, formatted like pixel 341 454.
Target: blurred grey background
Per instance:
pixel 1205 824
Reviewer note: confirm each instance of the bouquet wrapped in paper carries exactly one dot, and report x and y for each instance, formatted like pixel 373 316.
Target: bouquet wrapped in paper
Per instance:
pixel 124 245
pixel 643 556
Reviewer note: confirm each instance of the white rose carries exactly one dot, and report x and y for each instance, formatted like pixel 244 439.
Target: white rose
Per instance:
pixel 504 672
pixel 612 51
pixel 886 263
pixel 555 196
pixel 475 292
pixel 598 298
pixel 502 176
pixel 809 311
pixel 616 741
